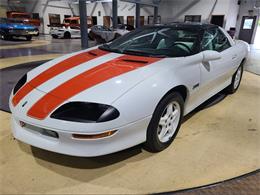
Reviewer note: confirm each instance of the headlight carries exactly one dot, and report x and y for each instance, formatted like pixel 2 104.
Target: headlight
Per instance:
pixel 20 83
pixel 85 112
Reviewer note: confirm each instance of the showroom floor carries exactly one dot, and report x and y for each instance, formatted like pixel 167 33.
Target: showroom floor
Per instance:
pixel 214 144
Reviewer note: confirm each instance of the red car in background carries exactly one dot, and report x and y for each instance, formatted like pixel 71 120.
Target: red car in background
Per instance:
pixel 25 17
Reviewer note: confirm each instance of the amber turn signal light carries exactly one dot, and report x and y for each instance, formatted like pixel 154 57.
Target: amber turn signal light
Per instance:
pixel 94 136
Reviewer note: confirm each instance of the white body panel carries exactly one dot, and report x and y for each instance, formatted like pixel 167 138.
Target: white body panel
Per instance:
pixel 59 32
pixel 135 94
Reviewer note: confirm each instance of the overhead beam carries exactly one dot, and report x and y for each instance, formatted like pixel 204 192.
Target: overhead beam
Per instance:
pixel 154 3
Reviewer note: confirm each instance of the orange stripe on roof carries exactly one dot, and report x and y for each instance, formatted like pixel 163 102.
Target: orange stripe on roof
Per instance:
pixel 85 80
pixel 56 70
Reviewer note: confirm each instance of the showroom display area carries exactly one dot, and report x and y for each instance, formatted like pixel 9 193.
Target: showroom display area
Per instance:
pixel 216 150
pixel 214 144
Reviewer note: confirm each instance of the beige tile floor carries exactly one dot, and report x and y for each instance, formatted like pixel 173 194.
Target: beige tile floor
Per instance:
pixel 214 144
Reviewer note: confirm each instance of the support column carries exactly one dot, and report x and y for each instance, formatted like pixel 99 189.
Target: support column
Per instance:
pixel 83 23
pixel 155 15
pixel 114 13
pixel 137 15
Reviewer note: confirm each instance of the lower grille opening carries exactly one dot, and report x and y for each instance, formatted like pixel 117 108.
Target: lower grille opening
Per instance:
pixel 40 130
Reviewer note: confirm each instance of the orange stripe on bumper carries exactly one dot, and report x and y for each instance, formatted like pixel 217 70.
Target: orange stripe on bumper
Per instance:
pixel 55 70
pixel 85 80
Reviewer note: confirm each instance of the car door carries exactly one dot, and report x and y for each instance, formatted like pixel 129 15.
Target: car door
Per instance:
pixel 75 32
pixel 216 75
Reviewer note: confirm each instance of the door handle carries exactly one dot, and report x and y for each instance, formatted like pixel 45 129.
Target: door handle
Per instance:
pixel 234 57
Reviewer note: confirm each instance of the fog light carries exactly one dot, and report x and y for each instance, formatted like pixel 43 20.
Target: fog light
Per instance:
pixel 94 136
pixel 22 124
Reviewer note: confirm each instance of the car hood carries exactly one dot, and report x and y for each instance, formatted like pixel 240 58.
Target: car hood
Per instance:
pixel 20 26
pixel 90 76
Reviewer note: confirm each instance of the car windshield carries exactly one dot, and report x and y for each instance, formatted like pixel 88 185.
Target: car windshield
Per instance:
pixel 21 16
pixel 157 41
pixel 10 20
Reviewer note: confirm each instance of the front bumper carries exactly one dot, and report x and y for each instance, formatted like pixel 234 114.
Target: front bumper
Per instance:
pixel 126 137
pixel 19 32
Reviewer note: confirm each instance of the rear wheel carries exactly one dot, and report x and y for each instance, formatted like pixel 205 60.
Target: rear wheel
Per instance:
pixel 236 80
pixel 165 123
pixel 67 35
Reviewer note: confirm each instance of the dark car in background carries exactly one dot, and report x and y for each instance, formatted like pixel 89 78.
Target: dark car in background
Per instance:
pixel 10 28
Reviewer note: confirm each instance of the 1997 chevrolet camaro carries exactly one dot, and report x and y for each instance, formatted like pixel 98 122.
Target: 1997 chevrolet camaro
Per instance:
pixel 136 89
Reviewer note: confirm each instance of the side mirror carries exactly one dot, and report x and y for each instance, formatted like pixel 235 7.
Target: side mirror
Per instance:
pixel 211 55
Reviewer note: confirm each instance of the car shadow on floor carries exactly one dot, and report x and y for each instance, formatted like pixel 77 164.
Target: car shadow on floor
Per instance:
pixel 129 154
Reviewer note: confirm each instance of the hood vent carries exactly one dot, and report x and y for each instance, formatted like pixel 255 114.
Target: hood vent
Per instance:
pixel 92 53
pixel 135 61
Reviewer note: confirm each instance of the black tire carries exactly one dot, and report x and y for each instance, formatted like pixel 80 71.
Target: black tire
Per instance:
pixel 90 37
pixel 55 36
pixel 232 88
pixel 28 38
pixel 67 35
pixel 7 37
pixel 153 144
pixel 2 35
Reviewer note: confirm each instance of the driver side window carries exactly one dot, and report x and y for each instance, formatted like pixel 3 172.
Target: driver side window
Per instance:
pixel 214 39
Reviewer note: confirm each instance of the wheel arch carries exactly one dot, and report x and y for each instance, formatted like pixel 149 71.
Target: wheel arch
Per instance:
pixel 181 89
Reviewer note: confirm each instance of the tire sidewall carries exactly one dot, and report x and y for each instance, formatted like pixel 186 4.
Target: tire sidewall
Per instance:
pixel 67 35
pixel 233 89
pixel 152 135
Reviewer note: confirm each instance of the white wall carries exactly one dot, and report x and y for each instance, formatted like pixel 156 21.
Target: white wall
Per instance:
pixel 54 7
pixel 175 10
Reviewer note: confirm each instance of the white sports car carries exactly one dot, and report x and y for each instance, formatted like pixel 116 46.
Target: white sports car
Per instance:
pixel 66 32
pixel 136 89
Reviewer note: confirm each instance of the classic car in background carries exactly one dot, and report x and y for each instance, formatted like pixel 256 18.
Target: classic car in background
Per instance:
pixel 103 34
pixel 10 28
pixel 24 17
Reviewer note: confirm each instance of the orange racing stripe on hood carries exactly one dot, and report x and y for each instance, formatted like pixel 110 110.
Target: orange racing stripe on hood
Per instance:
pixel 48 103
pixel 55 70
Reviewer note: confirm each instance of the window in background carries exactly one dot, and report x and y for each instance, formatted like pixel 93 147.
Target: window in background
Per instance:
pixel 54 19
pixel 35 16
pixel 192 18
pixel 67 16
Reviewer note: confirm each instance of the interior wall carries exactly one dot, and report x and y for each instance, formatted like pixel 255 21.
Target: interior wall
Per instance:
pixel 175 10
pixel 124 9
pixel 3 12
pixel 53 7
pixel 247 5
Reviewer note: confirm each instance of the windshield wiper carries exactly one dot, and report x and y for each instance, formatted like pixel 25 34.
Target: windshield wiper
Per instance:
pixel 108 48
pixel 142 53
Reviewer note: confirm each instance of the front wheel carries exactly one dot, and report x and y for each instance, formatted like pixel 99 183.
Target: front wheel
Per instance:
pixel 165 123
pixel 28 38
pixel 236 80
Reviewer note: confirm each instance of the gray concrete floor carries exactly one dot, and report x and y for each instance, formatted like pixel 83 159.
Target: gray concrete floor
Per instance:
pixel 253 62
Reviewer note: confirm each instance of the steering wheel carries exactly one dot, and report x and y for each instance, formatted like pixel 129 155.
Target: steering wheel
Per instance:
pixel 178 43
